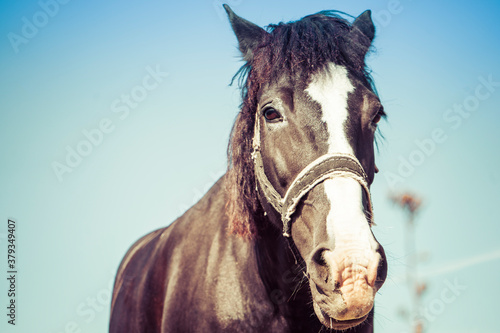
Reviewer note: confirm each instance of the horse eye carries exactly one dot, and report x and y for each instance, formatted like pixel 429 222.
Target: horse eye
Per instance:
pixel 378 116
pixel 271 114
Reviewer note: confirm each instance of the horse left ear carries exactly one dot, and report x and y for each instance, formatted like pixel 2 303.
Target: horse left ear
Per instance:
pixel 249 34
pixel 363 30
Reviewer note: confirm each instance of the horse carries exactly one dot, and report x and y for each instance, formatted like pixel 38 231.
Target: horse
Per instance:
pixel 282 242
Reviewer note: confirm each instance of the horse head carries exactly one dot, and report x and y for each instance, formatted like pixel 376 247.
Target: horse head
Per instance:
pixel 302 154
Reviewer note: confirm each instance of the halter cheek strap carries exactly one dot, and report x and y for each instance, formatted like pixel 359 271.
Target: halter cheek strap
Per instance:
pixel 325 167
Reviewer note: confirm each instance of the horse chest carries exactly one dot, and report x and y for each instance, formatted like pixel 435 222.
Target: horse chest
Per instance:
pixel 229 297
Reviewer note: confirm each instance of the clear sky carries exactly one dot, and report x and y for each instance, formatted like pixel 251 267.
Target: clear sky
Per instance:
pixel 66 71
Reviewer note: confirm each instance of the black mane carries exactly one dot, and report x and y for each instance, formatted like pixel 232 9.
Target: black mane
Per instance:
pixel 306 46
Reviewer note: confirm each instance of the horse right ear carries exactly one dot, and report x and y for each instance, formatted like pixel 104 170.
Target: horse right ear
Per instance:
pixel 249 34
pixel 362 33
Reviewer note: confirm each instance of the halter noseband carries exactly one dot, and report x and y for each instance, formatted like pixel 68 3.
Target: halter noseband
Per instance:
pixel 325 167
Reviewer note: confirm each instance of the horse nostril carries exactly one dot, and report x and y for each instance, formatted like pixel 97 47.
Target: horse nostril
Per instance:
pixel 319 269
pixel 323 269
pixel 318 257
pixel 381 269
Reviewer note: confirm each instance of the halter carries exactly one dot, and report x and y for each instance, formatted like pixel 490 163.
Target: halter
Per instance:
pixel 327 166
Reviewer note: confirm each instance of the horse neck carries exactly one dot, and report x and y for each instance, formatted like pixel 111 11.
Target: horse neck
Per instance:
pixel 282 271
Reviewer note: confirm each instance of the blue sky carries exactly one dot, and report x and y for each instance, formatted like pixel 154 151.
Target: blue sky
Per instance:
pixel 67 77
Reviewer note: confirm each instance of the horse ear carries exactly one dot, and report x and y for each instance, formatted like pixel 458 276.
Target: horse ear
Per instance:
pixel 365 24
pixel 363 31
pixel 249 34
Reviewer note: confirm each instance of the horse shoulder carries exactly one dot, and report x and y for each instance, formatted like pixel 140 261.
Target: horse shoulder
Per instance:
pixel 191 276
pixel 134 282
pixel 213 283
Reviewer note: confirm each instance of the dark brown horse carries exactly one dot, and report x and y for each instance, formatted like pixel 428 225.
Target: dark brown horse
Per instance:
pixel 283 241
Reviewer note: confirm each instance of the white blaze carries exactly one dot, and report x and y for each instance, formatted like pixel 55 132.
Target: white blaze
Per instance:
pixel 330 89
pixel 346 222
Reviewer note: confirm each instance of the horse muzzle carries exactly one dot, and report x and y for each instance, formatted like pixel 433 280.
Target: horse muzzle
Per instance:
pixel 343 284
